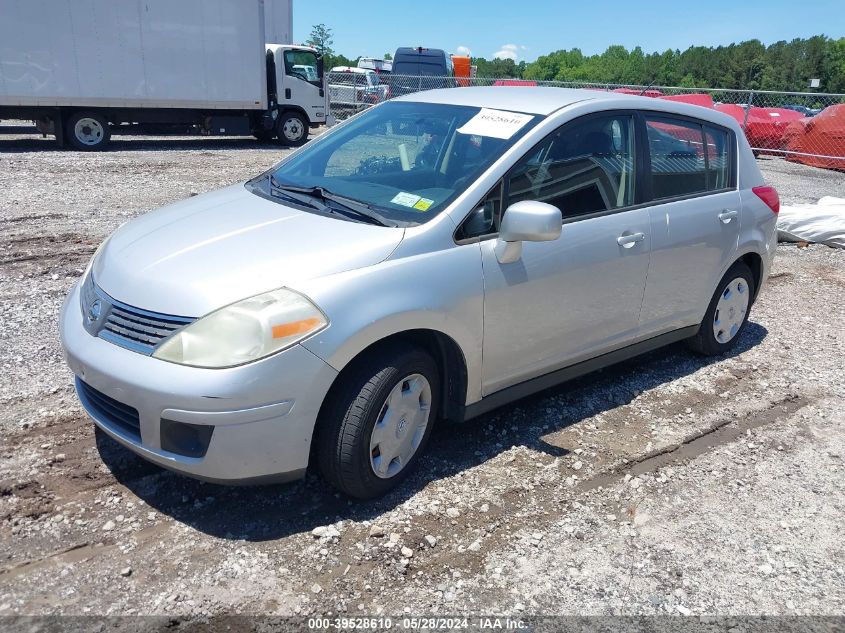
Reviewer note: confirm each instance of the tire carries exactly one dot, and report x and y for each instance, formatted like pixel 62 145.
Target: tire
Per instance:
pixel 348 448
pixel 292 129
pixel 717 337
pixel 88 131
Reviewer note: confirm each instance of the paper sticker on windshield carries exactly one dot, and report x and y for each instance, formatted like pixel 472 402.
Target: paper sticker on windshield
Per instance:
pixel 406 199
pixel 423 204
pixel 495 123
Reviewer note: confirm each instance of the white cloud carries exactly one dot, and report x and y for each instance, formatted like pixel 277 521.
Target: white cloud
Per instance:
pixel 463 50
pixel 508 51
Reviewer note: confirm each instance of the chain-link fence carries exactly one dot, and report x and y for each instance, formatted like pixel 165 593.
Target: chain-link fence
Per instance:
pixel 805 127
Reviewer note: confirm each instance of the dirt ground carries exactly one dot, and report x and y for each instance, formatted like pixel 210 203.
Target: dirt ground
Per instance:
pixel 668 484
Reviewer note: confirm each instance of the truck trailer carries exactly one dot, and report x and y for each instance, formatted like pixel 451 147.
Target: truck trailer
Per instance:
pixel 85 69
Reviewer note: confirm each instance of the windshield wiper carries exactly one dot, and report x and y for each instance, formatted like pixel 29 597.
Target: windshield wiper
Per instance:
pixel 350 208
pixel 278 191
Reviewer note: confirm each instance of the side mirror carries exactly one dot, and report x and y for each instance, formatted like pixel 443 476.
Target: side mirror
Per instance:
pixel 526 221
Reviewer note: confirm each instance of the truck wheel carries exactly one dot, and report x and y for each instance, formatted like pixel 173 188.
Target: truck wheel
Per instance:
pixel 727 313
pixel 292 129
pixel 376 422
pixel 88 131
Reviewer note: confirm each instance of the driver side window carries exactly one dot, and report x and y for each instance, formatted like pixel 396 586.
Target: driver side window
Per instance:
pixel 585 167
pixel 302 65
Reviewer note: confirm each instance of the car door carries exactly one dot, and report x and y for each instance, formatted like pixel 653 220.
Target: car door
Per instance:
pixel 296 87
pixel 580 295
pixel 694 217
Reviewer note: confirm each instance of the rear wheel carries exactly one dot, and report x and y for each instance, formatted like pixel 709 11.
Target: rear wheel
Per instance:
pixel 88 131
pixel 377 421
pixel 292 129
pixel 727 313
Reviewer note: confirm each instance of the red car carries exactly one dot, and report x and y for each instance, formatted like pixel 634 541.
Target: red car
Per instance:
pixel 764 127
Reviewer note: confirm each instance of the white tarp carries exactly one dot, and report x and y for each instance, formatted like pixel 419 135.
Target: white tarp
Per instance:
pixel 822 223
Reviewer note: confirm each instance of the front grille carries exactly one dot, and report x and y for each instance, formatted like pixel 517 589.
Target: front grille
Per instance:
pixel 137 329
pixel 110 411
pixel 124 325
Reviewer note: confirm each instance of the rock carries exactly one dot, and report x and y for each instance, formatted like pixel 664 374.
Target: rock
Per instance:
pixel 485 507
pixel 578 465
pixel 453 513
pixel 394 537
pixel 315 588
pixel 60 457
pixel 126 572
pixel 683 610
pixel 319 532
pixel 407 552
pixel 376 531
pixel 108 526
pixel 474 546
pixel 432 541
pixel 765 568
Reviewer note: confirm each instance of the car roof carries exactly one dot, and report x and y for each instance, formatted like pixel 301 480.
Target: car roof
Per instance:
pixel 545 100
pixel 351 69
pixel 533 100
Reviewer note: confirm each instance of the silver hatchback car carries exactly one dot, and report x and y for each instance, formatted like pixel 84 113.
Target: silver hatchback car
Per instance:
pixel 432 258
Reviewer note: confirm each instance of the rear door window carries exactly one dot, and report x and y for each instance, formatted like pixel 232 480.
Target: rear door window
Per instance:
pixel 676 149
pixel 687 158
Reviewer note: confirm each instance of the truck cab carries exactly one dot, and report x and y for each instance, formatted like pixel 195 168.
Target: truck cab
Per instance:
pixel 295 85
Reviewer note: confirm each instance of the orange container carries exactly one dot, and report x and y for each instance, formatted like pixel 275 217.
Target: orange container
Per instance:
pixel 463 70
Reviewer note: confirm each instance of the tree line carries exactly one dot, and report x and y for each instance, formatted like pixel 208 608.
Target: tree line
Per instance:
pixel 786 66
pixel 750 65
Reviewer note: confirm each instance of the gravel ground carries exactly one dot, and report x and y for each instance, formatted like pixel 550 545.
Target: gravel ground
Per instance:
pixel 800 184
pixel 668 484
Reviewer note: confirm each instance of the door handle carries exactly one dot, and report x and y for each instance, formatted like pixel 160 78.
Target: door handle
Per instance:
pixel 727 215
pixel 627 241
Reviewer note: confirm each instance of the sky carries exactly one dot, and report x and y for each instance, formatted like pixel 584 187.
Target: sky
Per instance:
pixel 524 30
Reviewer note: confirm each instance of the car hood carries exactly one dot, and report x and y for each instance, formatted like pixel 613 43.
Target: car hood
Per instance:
pixel 206 252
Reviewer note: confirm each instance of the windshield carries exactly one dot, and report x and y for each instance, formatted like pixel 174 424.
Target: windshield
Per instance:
pixel 406 161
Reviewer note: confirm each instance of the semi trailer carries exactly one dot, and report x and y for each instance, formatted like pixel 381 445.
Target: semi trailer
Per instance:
pixel 83 70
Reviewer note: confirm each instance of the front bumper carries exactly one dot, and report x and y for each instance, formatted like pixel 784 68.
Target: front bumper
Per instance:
pixel 263 413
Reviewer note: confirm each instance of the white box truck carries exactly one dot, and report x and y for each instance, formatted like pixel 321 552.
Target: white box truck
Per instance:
pixel 84 69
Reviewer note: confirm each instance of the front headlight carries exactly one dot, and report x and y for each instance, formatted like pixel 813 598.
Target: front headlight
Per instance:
pixel 244 331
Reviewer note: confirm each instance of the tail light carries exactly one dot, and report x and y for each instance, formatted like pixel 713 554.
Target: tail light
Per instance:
pixel 769 195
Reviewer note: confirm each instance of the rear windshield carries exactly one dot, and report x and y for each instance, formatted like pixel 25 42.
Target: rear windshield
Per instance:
pixel 406 161
pixel 428 69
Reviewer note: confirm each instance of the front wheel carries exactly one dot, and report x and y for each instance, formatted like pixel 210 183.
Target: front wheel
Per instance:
pixel 292 129
pixel 727 313
pixel 88 131
pixel 377 421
